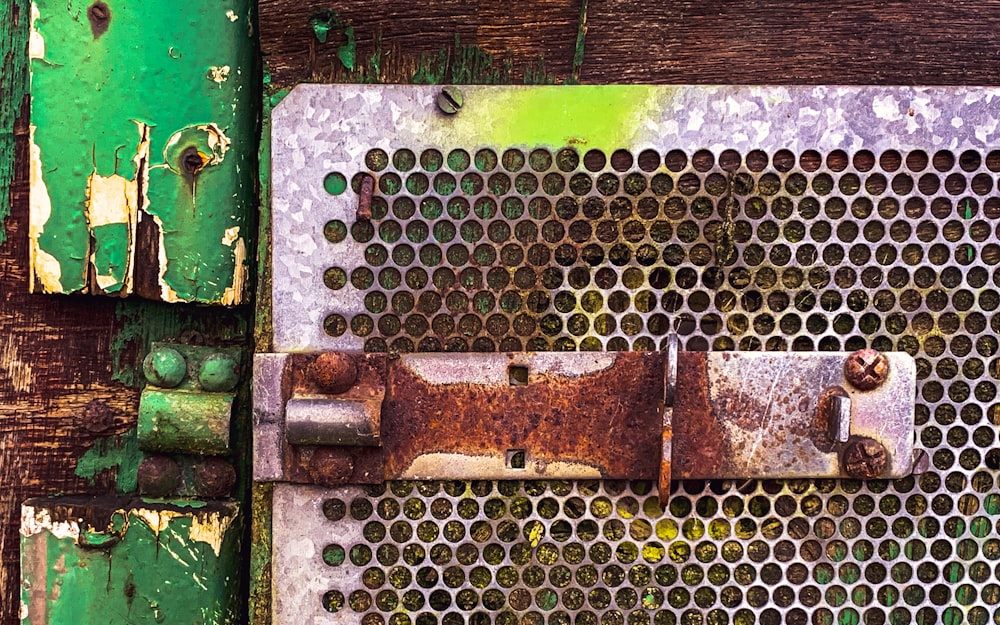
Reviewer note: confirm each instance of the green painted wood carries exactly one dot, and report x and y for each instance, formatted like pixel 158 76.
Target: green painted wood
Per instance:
pixel 13 87
pixel 143 148
pixel 129 562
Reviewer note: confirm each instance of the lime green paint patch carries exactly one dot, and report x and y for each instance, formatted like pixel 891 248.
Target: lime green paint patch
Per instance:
pixel 117 452
pixel 586 117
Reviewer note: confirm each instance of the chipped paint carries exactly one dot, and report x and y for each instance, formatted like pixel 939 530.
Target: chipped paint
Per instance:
pixel 230 235
pixel 36 520
pixel 210 528
pixel 146 564
pixel 219 74
pixel 36 43
pixel 44 268
pixel 116 452
pixel 105 222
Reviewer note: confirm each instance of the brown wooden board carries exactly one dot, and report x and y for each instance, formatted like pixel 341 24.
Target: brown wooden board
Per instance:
pixel 939 42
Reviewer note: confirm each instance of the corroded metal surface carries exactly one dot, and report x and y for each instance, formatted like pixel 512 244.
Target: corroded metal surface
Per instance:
pixel 577 415
pixel 760 415
pixel 580 415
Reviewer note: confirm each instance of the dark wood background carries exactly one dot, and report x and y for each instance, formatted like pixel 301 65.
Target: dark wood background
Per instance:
pixel 57 396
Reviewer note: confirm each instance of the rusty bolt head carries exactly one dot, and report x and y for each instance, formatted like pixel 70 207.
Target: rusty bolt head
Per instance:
pixel 333 372
pixel 330 466
pixel 98 416
pixel 866 369
pixel 214 478
pixel 864 458
pixel 159 476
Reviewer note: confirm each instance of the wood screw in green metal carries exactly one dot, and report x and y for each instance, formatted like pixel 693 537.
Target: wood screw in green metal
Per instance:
pixel 164 367
pixel 450 100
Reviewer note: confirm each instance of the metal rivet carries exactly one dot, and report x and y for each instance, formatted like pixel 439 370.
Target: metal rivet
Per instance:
pixel 219 373
pixel 164 367
pixel 866 369
pixel 450 100
pixel 333 372
pixel 214 478
pixel 864 458
pixel 158 476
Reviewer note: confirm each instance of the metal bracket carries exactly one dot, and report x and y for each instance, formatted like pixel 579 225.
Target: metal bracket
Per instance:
pixel 336 418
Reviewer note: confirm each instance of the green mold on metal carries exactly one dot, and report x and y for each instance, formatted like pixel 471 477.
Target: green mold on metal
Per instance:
pixel 116 452
pixel 112 562
pixel 119 202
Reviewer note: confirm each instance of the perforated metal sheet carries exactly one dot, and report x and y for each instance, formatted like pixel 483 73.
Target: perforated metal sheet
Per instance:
pixel 804 219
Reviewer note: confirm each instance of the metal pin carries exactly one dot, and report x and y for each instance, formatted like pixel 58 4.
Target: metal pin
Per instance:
pixel 364 212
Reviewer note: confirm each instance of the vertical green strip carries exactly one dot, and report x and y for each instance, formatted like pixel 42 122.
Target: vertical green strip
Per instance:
pixel 14 18
pixel 145 131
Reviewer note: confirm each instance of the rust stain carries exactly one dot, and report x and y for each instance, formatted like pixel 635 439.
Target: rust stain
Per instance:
pixel 699 439
pixel 610 420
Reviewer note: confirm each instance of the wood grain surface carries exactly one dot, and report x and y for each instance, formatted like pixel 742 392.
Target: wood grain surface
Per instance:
pixel 937 42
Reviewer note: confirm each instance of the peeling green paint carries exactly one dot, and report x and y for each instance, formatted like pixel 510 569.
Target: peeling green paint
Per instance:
pixel 14 18
pixel 146 322
pixel 118 562
pixel 581 38
pixel 139 187
pixel 116 452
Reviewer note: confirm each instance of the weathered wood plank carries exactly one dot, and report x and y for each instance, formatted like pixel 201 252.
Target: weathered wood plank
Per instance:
pixel 750 41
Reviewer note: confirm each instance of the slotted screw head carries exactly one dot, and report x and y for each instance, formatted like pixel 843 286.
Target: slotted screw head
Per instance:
pixel 450 100
pixel 864 459
pixel 866 369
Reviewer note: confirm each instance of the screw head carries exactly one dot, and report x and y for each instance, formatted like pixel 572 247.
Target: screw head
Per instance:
pixel 158 476
pixel 214 478
pixel 864 458
pixel 450 100
pixel 866 369
pixel 219 373
pixel 333 372
pixel 164 367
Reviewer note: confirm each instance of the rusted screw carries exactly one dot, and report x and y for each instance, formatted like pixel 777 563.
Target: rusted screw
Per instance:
pixel 159 476
pixel 864 458
pixel 450 100
pixel 214 478
pixel 866 369
pixel 98 416
pixel 329 466
pixel 333 372
pixel 191 160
